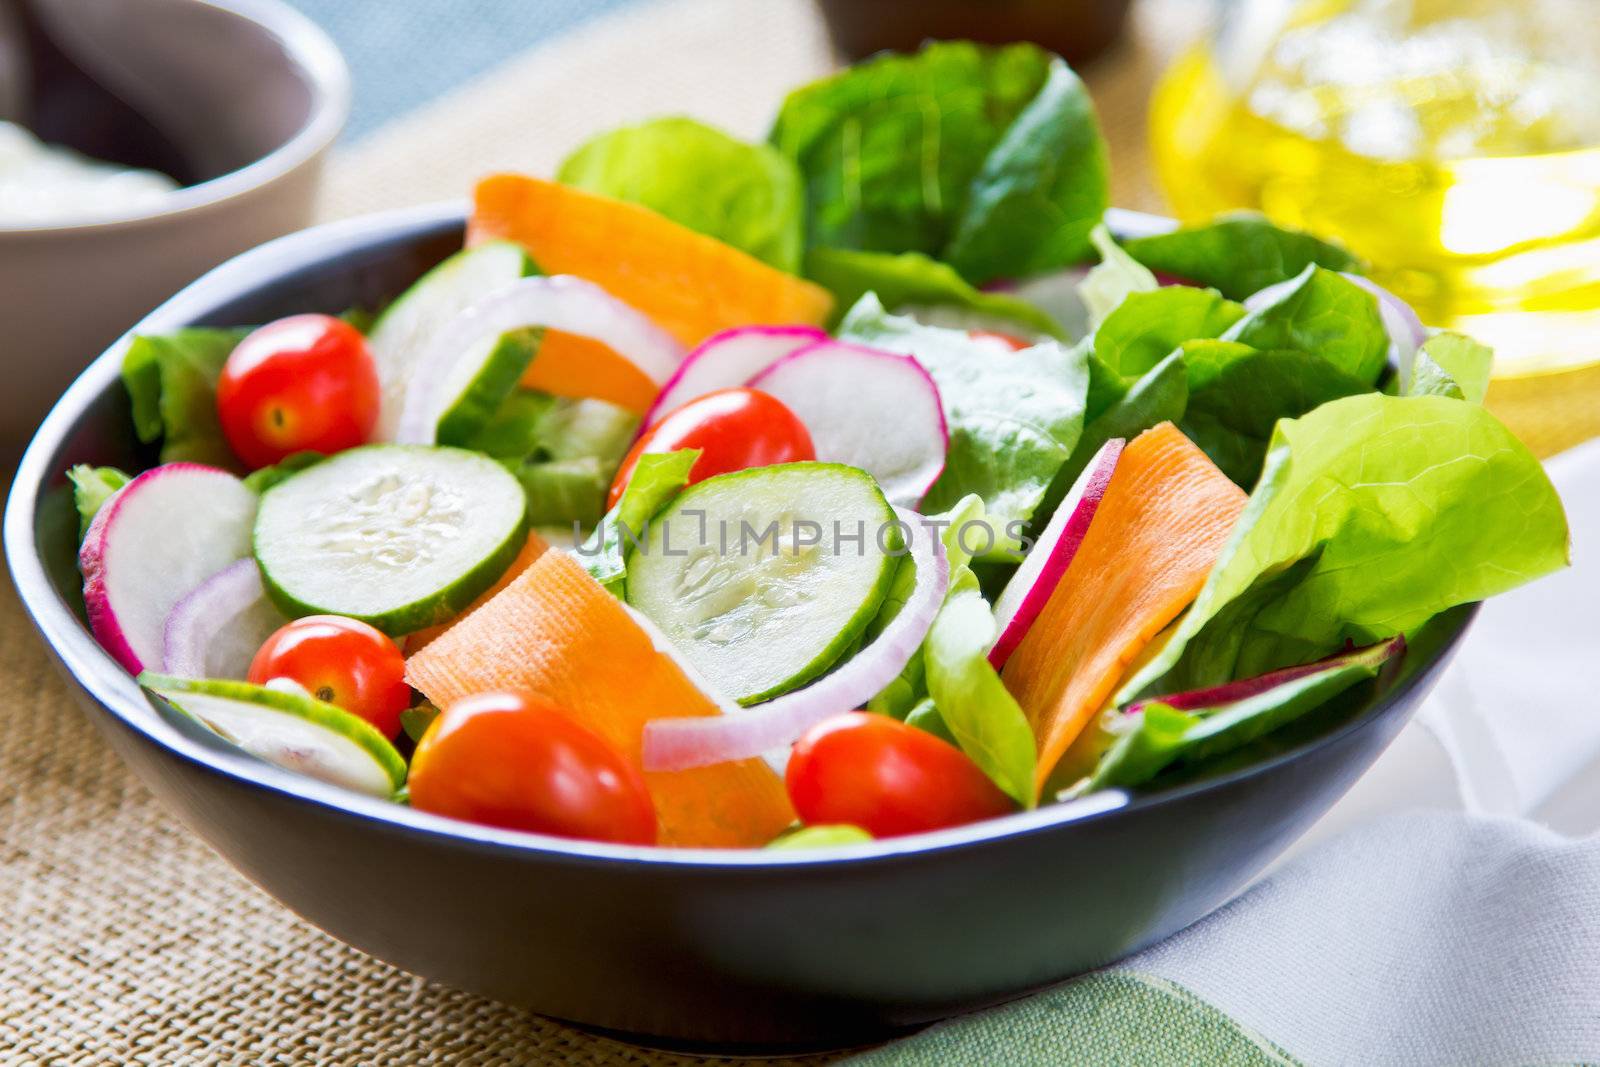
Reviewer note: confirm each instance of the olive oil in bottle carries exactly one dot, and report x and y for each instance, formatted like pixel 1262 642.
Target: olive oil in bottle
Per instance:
pixel 1453 144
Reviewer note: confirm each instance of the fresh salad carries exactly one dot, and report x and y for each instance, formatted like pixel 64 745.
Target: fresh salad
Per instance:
pixel 852 484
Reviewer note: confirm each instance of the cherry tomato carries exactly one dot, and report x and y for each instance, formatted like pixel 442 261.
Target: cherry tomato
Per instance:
pixel 518 760
pixel 341 661
pixel 304 382
pixel 888 778
pixel 1011 341
pixel 733 428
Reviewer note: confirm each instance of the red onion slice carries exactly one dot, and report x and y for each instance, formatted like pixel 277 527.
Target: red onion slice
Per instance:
pixel 679 744
pixel 214 630
pixel 556 302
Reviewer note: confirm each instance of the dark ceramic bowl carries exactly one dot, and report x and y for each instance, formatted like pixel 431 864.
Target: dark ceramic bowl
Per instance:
pixel 687 946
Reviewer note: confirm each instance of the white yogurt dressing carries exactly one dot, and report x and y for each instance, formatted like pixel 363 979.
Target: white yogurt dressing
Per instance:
pixel 42 183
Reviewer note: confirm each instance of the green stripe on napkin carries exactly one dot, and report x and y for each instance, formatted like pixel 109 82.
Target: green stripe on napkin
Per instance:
pixel 1103 1020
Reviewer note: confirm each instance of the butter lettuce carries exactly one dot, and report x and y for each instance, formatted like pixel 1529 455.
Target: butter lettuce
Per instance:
pixel 1237 254
pixel 1111 281
pixel 656 479
pixel 747 195
pixel 1449 364
pixel 91 488
pixel 1012 421
pixel 1237 394
pixel 988 158
pixel 1324 313
pixel 1147 326
pixel 1373 513
pixel 172 383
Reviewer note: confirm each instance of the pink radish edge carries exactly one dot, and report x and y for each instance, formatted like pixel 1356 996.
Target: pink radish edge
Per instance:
pixel 865 351
pixel 786 340
pixel 1029 590
pixel 1229 692
pixel 104 622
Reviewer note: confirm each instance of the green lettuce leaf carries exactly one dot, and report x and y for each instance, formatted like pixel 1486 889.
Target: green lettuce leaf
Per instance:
pixel 1012 422
pixel 1041 190
pixel 656 479
pixel 975 706
pixel 911 279
pixel 264 478
pixel 985 157
pixel 172 384
pixel 564 451
pixel 1326 314
pixel 1237 394
pixel 1449 364
pixel 1157 735
pixel 1111 281
pixel 1373 513
pixel 1147 326
pixel 91 488
pixel 1237 254
pixel 747 195
pixel 823 836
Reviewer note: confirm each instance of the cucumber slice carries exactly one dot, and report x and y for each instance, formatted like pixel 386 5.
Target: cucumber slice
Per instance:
pixel 402 333
pixel 399 536
pixel 297 733
pixel 480 381
pixel 760 615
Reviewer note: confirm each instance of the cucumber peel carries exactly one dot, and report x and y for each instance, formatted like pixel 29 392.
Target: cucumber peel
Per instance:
pixel 295 732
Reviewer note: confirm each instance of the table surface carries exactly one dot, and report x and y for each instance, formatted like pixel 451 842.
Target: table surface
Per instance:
pixel 125 939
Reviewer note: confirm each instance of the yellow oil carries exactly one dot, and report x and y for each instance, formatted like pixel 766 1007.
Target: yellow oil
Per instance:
pixel 1453 144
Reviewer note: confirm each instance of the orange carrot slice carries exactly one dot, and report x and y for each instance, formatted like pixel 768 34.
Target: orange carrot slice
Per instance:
pixel 691 285
pixel 554 630
pixel 535 547
pixel 1157 534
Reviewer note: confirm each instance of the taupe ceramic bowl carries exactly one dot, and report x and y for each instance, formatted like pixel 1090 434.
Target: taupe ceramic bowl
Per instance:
pixel 254 93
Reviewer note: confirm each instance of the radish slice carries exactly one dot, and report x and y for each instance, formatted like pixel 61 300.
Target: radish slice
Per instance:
pixel 215 630
pixel 1026 594
pixel 161 535
pixel 679 744
pixel 558 302
pixel 866 408
pixel 1232 692
pixel 727 359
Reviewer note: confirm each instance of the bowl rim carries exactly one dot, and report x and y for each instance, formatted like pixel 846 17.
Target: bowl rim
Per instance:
pixel 114 691
pixel 313 52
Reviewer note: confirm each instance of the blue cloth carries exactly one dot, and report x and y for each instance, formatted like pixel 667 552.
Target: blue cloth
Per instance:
pixel 403 53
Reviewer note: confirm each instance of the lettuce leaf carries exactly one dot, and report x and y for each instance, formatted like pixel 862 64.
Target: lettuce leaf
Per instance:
pixel 91 488
pixel 1237 394
pixel 828 835
pixel 989 158
pixel 1237 254
pixel 564 451
pixel 656 479
pixel 1111 281
pixel 1373 513
pixel 1326 314
pixel 1012 422
pixel 747 195
pixel 1147 326
pixel 172 383
pixel 912 279
pixel 264 478
pixel 1449 364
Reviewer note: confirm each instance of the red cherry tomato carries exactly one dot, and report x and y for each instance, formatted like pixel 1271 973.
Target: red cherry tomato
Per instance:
pixel 733 428
pixel 888 778
pixel 518 760
pixel 1011 341
pixel 341 661
pixel 304 382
